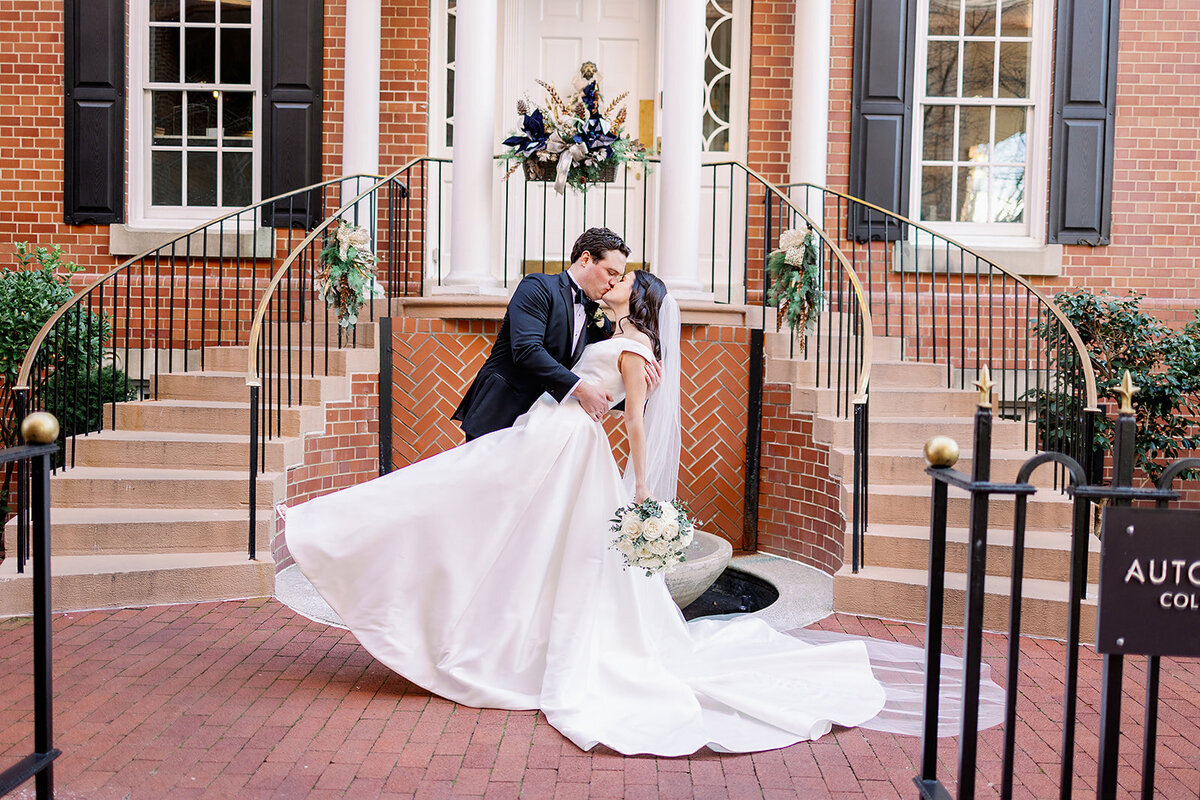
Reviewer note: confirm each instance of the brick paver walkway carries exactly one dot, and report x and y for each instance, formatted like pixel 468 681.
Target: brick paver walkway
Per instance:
pixel 247 700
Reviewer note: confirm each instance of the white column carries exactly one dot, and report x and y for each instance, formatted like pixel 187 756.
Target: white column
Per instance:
pixel 360 115
pixel 472 173
pixel 682 112
pixel 810 93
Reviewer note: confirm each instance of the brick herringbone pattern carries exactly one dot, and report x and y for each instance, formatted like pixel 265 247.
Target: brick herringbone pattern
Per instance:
pixel 435 360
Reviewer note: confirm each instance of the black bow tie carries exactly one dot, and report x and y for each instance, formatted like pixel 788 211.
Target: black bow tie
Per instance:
pixel 580 297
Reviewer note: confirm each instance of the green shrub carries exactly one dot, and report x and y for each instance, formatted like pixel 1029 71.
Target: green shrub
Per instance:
pixel 1164 364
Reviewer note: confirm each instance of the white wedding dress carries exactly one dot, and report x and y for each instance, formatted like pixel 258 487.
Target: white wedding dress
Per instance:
pixel 484 574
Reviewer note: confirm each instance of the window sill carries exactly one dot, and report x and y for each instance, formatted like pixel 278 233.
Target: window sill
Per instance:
pixel 126 240
pixel 1020 258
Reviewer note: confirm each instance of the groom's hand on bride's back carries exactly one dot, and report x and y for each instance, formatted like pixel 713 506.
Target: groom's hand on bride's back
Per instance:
pixel 654 376
pixel 595 401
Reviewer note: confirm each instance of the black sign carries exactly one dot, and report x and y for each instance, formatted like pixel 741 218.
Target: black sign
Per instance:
pixel 1149 600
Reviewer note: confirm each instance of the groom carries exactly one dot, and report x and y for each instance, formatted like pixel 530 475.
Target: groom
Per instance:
pixel 549 320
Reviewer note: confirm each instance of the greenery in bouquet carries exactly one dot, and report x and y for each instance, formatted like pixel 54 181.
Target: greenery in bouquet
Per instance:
pixel 347 274
pixel 653 534
pixel 795 281
pixel 578 138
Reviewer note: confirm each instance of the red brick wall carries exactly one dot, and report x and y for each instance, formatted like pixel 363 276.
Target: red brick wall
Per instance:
pixel 799 509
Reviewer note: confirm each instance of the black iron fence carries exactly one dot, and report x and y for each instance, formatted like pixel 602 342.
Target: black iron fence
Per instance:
pixel 34 461
pixel 1120 494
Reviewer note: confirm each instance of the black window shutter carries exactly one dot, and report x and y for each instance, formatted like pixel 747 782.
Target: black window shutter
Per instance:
pixel 1083 133
pixel 881 113
pixel 93 111
pixel 292 42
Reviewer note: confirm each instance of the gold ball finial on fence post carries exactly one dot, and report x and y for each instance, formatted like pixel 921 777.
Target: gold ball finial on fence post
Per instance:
pixel 40 427
pixel 1126 390
pixel 941 451
pixel 984 385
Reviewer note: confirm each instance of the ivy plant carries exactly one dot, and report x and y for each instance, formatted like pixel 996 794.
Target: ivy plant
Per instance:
pixel 1163 362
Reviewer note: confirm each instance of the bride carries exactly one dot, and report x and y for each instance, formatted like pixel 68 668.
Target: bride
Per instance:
pixel 484 574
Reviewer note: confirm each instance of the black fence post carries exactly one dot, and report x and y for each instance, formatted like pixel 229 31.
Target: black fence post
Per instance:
pixel 43 698
pixel 1114 663
pixel 934 617
pixel 385 395
pixel 252 546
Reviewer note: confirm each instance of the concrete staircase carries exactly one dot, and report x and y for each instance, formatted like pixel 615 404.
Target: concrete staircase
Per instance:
pixel 908 406
pixel 156 511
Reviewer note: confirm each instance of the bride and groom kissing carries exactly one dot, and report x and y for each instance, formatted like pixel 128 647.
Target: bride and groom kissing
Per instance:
pixel 485 574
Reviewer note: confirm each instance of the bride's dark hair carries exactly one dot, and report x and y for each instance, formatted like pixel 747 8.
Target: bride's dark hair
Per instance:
pixel 645 299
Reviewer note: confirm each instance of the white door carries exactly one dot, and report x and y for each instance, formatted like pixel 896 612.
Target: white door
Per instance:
pixel 549 40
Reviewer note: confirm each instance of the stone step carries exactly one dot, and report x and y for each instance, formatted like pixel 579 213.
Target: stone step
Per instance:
pixel 128 487
pixel 1047 553
pixel 907 465
pixel 81 582
pixel 913 432
pixel 890 401
pixel 212 416
pixel 307 359
pixel 883 373
pixel 783 345
pixel 166 449
pixel 900 594
pixel 903 504
pixel 231 386
pixel 98 531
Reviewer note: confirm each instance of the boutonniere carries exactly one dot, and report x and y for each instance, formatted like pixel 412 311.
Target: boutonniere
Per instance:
pixel 598 318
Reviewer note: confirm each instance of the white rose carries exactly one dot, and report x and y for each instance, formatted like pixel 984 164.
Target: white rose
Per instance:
pixel 643 552
pixel 652 528
pixel 660 547
pixel 624 546
pixel 669 513
pixel 653 564
pixel 629 526
pixel 671 530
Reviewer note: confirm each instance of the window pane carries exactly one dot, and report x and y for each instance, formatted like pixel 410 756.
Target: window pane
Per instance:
pixel 942 71
pixel 202 178
pixel 199 53
pixel 239 118
pixel 1016 17
pixel 980 19
pixel 164 55
pixel 720 142
pixel 1008 194
pixel 974 133
pixel 938 137
pixel 202 119
pixel 200 10
pixel 718 105
pixel 235 55
pixel 165 175
pixel 977 69
pixel 235 11
pixel 164 10
pixel 935 193
pixel 943 17
pixel 167 122
pixel 1010 135
pixel 236 179
pixel 1014 69
pixel 972 194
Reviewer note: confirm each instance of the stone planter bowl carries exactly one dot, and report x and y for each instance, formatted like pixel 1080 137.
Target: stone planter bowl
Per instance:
pixel 707 557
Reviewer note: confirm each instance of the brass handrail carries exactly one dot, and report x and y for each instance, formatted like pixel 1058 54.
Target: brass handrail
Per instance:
pixel 22 382
pixel 252 378
pixel 1089 375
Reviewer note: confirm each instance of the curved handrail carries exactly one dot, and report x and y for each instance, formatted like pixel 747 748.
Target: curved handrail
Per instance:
pixel 1081 351
pixel 22 382
pixel 256 324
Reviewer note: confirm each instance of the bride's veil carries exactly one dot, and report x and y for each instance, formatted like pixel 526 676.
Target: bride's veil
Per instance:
pixel 662 413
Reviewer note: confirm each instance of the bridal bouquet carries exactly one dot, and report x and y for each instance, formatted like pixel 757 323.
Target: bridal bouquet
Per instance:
pixel 652 535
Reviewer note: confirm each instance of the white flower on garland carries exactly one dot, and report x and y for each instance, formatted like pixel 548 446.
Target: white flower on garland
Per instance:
pixel 347 275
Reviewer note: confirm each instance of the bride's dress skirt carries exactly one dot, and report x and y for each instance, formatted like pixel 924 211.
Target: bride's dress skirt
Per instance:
pixel 484 575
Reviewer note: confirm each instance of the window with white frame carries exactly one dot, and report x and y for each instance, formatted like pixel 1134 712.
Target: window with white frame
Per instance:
pixel 195 116
pixel 726 74
pixel 980 125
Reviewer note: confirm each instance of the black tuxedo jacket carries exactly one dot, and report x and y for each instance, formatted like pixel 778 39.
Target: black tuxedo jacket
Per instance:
pixel 532 354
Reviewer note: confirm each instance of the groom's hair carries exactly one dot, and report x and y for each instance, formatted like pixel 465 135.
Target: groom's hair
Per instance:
pixel 598 241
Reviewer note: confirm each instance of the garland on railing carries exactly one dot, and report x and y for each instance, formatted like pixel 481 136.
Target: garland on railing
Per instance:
pixel 795 281
pixel 347 276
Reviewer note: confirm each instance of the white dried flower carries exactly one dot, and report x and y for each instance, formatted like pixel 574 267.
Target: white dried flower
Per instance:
pixel 791 238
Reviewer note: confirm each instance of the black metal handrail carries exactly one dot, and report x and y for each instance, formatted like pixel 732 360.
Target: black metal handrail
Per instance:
pixel 950 304
pixel 162 309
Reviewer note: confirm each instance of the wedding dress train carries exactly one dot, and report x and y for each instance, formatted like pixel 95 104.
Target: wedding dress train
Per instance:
pixel 484 574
